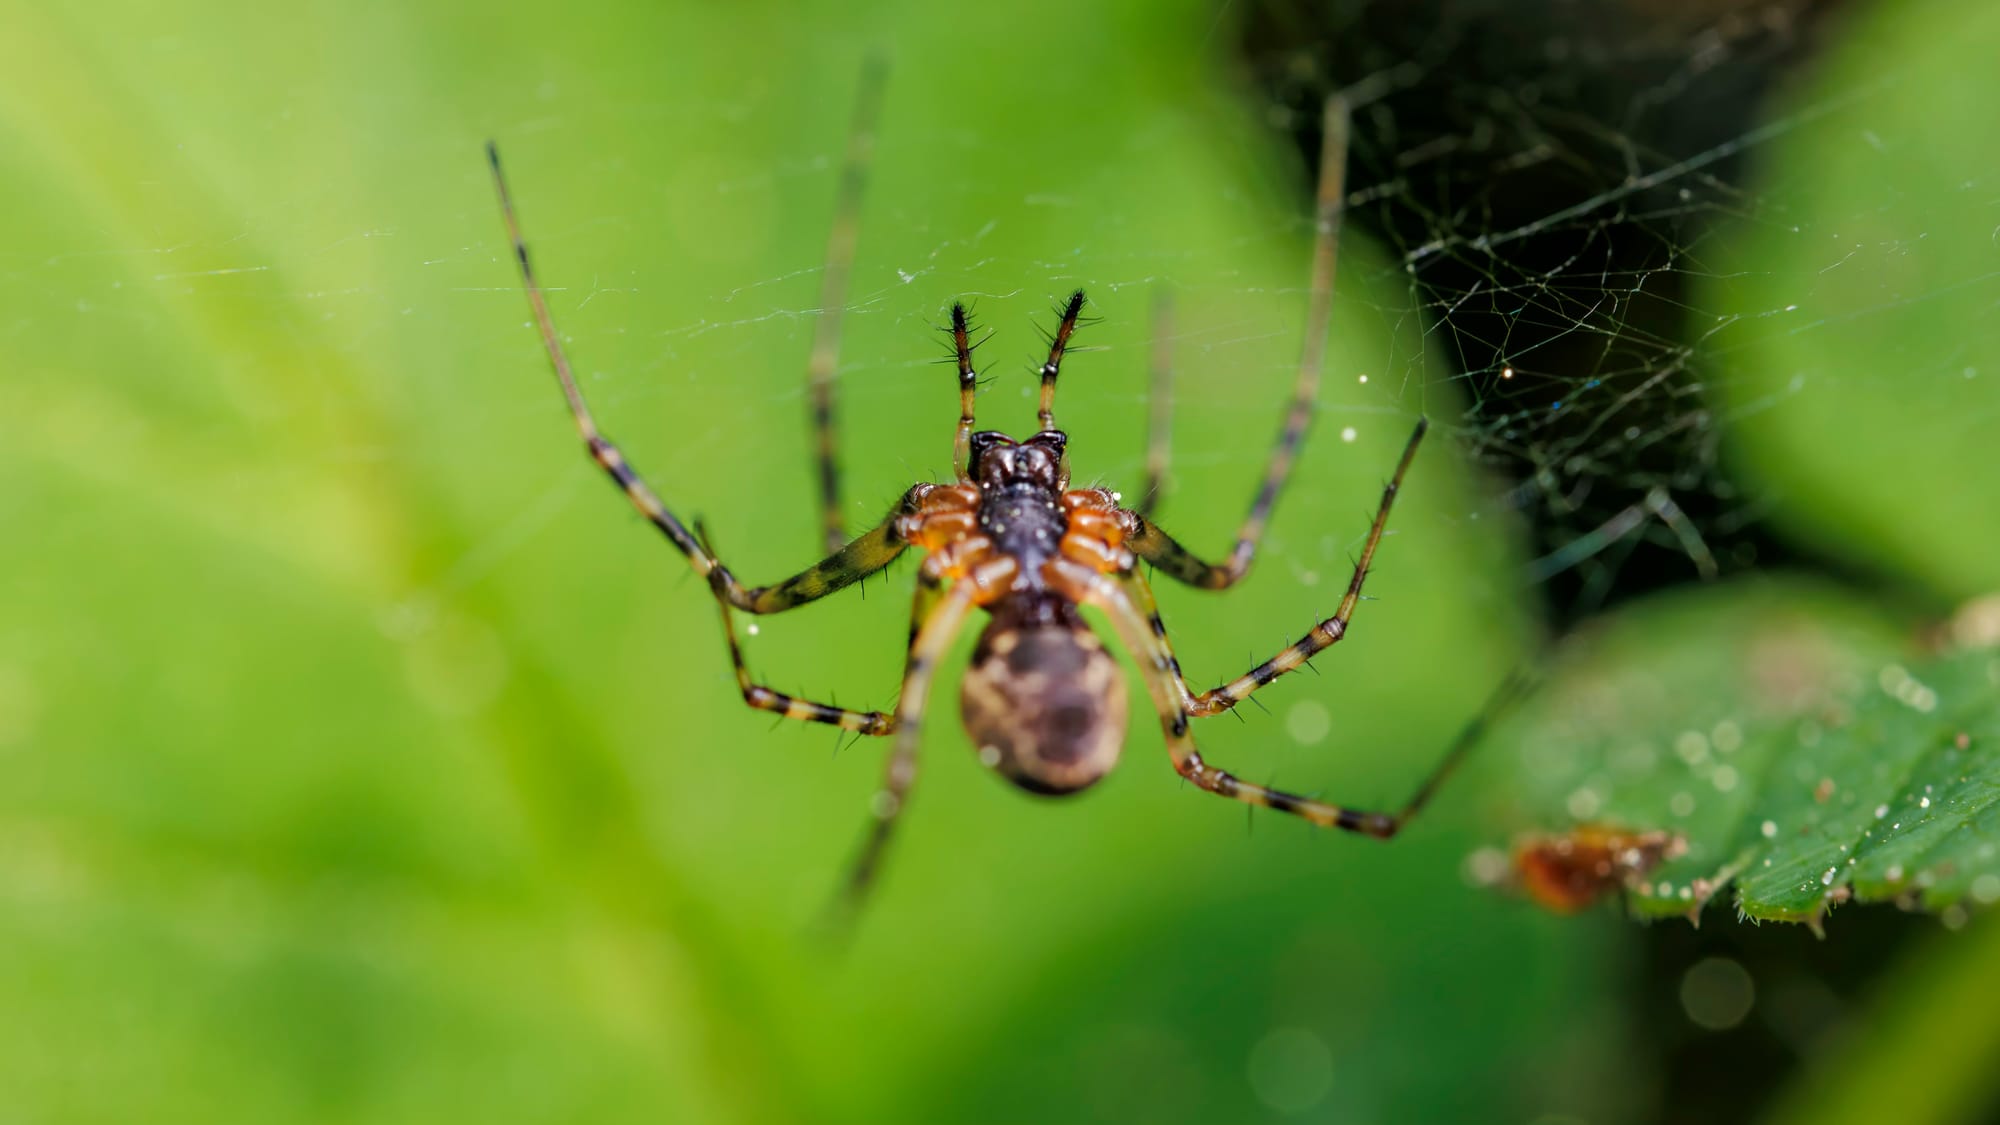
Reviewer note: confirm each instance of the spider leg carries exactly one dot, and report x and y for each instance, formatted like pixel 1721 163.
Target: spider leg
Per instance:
pixel 1149 646
pixel 1159 423
pixel 1155 546
pixel 833 294
pixel 968 391
pixel 785 706
pixel 1052 367
pixel 1324 635
pixel 941 615
pixel 1145 539
pixel 863 556
pixel 792 707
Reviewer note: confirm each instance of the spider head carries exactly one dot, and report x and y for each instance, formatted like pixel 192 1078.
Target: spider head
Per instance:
pixel 1045 705
pixel 1041 461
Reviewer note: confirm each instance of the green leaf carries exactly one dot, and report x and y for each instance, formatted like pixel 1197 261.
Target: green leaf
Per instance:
pixel 1794 750
pixel 1850 314
pixel 1915 819
pixel 362 757
pixel 1799 748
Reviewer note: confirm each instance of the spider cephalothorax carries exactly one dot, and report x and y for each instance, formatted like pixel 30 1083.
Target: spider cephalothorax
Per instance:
pixel 1044 701
pixel 1020 498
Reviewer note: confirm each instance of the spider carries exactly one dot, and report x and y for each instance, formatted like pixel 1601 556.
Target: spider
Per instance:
pixel 1043 701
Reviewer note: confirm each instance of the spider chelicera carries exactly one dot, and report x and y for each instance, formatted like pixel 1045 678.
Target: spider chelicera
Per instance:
pixel 1043 701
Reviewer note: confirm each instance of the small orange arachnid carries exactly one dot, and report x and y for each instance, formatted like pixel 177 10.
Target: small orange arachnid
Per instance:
pixel 1568 871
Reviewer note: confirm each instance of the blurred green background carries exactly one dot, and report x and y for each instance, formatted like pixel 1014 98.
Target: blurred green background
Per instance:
pixel 363 758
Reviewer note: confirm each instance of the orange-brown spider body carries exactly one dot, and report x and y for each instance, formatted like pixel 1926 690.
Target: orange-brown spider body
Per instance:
pixel 1044 701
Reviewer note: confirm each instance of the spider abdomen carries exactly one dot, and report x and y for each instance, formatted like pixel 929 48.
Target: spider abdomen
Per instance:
pixel 1045 704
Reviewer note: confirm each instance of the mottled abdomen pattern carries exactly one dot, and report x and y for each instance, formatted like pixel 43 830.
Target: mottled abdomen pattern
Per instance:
pixel 1045 705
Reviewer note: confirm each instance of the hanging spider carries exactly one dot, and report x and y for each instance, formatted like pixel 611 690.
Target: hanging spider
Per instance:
pixel 1043 700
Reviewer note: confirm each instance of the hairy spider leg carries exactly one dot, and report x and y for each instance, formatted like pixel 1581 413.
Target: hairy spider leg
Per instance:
pixel 968 391
pixel 1143 540
pixel 833 293
pixel 1110 592
pixel 792 707
pixel 1159 422
pixel 1052 367
pixel 1324 635
pixel 764 698
pixel 1161 551
pixel 860 558
pixel 937 618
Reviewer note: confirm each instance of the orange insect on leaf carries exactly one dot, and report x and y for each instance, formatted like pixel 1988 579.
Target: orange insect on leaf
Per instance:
pixel 1568 871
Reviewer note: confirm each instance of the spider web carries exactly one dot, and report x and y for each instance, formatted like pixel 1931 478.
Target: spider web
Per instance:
pixel 1550 183
pixel 1551 178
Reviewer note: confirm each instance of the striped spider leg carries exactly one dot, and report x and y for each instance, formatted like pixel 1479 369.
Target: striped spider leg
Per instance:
pixel 840 240
pixel 1159 428
pixel 1223 697
pixel 1099 569
pixel 849 563
pixel 936 619
pixel 1155 546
